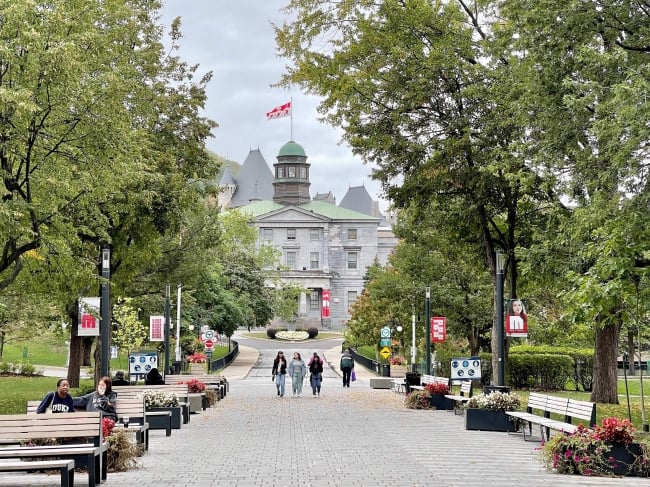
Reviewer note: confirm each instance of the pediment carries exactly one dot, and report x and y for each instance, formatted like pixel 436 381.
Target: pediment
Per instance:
pixel 293 215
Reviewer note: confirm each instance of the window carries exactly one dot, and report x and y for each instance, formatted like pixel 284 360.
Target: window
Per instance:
pixel 313 260
pixel 279 172
pixel 314 300
pixel 291 260
pixel 291 233
pixel 314 234
pixel 352 260
pixel 352 233
pixel 303 173
pixel 267 234
pixel 292 172
pixel 352 298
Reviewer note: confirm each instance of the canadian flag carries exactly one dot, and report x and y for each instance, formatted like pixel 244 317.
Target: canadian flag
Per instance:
pixel 279 112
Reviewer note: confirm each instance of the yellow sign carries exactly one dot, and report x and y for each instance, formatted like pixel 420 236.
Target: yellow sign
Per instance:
pixel 385 352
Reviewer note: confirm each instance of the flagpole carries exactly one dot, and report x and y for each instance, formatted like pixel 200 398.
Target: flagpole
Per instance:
pixel 291 101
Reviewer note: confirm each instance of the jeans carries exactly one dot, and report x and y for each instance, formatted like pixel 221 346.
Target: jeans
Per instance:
pixel 296 383
pixel 279 383
pixel 347 372
pixel 315 383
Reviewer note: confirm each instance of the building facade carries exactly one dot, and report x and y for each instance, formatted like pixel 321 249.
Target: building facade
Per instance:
pixel 326 249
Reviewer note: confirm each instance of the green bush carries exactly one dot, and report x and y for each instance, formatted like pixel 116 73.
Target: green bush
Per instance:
pixel 270 332
pixel 418 400
pixel 312 331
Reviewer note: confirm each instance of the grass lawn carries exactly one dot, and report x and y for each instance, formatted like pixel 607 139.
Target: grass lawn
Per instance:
pixel 16 391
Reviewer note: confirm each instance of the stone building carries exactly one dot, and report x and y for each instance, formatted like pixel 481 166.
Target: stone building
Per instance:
pixel 325 248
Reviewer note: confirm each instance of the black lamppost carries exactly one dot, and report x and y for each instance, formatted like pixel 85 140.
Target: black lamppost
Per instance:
pixel 105 305
pixel 500 335
pixel 427 314
pixel 167 330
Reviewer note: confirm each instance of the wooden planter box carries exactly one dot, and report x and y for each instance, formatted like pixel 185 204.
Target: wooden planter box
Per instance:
pixel 176 416
pixel 439 401
pixel 486 420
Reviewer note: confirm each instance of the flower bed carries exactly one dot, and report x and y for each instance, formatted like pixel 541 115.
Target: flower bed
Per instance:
pixel 159 399
pixel 606 450
pixel 292 335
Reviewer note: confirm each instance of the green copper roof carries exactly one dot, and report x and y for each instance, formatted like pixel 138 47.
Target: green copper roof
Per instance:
pixel 257 208
pixel 292 149
pixel 335 212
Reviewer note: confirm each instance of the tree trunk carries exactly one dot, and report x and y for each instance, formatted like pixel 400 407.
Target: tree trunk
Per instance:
pixel 2 343
pixel 86 349
pixel 74 365
pixel 605 357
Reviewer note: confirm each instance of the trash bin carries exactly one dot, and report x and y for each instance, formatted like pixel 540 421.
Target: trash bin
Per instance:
pixel 176 367
pixel 385 370
pixel 411 379
pixel 491 389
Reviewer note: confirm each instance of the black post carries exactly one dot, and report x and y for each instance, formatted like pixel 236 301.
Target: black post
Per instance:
pixel 500 331
pixel 427 314
pixel 167 327
pixel 105 304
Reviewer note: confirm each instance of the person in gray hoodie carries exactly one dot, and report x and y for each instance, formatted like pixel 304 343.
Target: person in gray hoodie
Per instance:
pixel 297 370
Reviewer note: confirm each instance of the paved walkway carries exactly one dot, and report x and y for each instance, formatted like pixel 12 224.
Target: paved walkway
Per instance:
pixel 357 436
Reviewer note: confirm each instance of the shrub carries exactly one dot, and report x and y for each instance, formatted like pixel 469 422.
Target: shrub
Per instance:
pixel 211 396
pixel 397 360
pixel 197 358
pixel 418 400
pixel 437 388
pixel 495 401
pixel 159 399
pixel 195 386
pixel 121 452
pixel 312 331
pixel 270 332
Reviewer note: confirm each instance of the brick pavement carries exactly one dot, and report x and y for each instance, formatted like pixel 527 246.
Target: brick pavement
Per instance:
pixel 356 436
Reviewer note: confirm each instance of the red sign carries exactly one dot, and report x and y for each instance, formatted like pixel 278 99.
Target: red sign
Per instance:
pixel 325 309
pixel 88 321
pixel 209 343
pixel 438 329
pixel 517 325
pixel 156 328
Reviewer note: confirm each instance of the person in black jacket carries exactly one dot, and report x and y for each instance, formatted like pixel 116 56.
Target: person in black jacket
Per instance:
pixel 279 373
pixel 316 370
pixel 153 378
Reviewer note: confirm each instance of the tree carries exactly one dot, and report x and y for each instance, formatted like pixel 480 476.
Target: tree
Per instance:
pixel 417 88
pixel 129 331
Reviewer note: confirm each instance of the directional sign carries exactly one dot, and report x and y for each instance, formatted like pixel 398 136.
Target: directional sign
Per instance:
pixel 385 352
pixel 209 334
pixel 209 343
pixel 384 342
pixel 385 332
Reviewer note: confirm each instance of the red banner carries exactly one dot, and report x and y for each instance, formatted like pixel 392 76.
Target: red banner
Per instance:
pixel 517 325
pixel 88 317
pixel 438 329
pixel 325 308
pixel 156 324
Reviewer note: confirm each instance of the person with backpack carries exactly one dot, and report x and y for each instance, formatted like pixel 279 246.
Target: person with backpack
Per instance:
pixel 316 370
pixel 347 366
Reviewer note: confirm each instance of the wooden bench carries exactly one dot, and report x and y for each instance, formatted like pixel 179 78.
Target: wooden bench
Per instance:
pixel 127 406
pixel 430 379
pixel 540 407
pixel 398 384
pixel 85 428
pixel 462 397
pixel 65 466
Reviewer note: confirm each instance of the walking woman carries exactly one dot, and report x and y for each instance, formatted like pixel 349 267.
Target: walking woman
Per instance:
pixel 298 371
pixel 316 370
pixel 279 372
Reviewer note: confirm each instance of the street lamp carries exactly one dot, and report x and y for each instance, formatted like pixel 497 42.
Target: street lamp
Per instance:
pixel 105 312
pixel 427 314
pixel 167 327
pixel 500 338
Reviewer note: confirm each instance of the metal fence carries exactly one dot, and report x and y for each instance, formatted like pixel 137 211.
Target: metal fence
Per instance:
pixel 225 361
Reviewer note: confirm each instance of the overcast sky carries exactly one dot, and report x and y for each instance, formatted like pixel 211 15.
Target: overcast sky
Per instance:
pixel 234 39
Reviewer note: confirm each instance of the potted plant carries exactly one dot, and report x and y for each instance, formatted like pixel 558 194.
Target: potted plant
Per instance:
pixel 158 400
pixel 438 399
pixel 606 450
pixel 487 412
pixel 195 387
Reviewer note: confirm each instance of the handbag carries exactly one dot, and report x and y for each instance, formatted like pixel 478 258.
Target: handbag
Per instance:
pixel 48 410
pixel 353 376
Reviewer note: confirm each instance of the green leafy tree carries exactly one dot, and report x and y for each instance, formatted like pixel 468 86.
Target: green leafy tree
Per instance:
pixel 129 330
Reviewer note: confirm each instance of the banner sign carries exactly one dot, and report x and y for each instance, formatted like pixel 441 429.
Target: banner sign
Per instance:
pixel 466 368
pixel 156 326
pixel 516 321
pixel 88 317
pixel 438 329
pixel 325 309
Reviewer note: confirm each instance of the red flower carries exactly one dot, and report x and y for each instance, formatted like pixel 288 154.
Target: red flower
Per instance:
pixel 437 388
